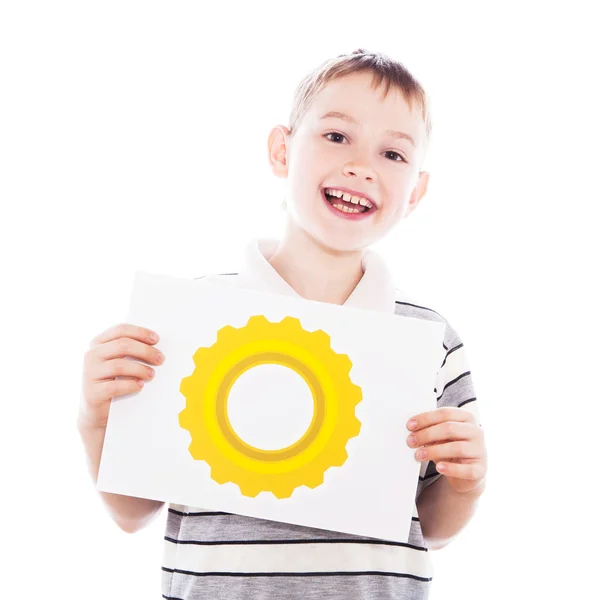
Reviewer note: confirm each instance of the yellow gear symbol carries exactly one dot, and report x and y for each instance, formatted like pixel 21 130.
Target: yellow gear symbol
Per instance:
pixel 285 343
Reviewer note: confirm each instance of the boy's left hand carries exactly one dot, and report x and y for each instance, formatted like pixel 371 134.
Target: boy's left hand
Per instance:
pixel 454 441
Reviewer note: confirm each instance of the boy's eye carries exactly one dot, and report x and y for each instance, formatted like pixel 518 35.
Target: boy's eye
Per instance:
pixel 395 156
pixel 334 133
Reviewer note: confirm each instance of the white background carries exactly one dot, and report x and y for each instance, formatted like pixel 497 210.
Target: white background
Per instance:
pixel 133 136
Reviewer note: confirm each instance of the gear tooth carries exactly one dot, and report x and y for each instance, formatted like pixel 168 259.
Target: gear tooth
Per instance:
pixel 284 491
pixel 184 420
pixel 339 457
pixel 249 489
pixel 200 356
pixel 344 362
pixel 355 428
pixel 220 478
pixel 353 396
pixel 321 337
pixel 292 322
pixel 223 334
pixel 258 321
pixel 184 386
pixel 315 481
pixel 195 450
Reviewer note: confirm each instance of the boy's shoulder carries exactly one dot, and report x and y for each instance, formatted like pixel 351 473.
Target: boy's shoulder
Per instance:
pixel 412 305
pixel 408 304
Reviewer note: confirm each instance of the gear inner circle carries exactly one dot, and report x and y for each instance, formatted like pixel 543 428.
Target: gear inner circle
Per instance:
pixel 318 406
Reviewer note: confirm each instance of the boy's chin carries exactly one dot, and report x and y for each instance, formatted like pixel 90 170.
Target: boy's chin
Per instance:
pixel 342 238
pixel 337 242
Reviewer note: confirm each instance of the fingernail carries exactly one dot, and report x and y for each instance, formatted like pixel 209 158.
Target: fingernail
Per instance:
pixel 411 424
pixel 412 440
pixel 153 337
pixel 421 453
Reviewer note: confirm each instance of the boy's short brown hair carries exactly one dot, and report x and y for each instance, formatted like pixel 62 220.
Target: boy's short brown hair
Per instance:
pixel 385 70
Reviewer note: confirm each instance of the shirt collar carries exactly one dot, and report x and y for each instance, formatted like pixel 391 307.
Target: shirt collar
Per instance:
pixel 375 290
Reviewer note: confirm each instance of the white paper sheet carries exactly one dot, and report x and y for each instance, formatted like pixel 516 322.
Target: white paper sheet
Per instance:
pixel 394 364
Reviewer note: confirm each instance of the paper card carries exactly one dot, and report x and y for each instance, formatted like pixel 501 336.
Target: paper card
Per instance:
pixel 274 407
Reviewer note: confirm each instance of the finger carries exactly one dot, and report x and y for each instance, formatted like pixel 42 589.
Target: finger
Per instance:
pixel 120 367
pixel 102 391
pixel 442 432
pixel 128 347
pixel 474 471
pixel 125 330
pixel 439 415
pixel 448 451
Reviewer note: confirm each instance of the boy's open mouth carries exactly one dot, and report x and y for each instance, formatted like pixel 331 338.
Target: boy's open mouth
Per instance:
pixel 346 202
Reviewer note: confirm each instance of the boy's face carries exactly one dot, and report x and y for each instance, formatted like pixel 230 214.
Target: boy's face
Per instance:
pixel 356 153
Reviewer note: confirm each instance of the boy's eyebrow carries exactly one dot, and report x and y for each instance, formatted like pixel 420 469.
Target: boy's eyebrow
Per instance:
pixel 338 115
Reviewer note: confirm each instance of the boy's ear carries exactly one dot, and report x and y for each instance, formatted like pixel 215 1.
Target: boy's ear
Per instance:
pixel 418 192
pixel 279 150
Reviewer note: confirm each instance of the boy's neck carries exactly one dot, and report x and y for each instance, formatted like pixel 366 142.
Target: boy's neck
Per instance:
pixel 315 271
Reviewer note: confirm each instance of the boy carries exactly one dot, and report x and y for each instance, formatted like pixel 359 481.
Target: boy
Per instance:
pixel 358 135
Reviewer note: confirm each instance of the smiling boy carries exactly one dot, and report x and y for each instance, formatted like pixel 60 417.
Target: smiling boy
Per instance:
pixel 352 158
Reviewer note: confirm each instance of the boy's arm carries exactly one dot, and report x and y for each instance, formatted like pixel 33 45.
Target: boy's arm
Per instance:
pixel 130 513
pixel 443 511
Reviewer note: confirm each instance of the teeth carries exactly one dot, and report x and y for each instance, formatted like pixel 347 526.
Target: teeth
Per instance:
pixel 349 197
pixel 346 209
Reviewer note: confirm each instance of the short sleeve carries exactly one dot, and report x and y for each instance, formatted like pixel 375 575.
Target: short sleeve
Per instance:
pixel 454 387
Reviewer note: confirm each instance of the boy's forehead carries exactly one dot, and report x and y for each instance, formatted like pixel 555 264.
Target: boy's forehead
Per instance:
pixel 354 96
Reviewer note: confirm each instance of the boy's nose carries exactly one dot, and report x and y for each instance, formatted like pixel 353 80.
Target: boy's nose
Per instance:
pixel 358 169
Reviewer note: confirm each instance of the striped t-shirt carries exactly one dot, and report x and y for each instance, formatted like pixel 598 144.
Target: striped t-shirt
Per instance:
pixel 209 555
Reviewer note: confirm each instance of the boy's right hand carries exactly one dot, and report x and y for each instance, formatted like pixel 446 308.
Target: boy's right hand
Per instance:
pixel 106 360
